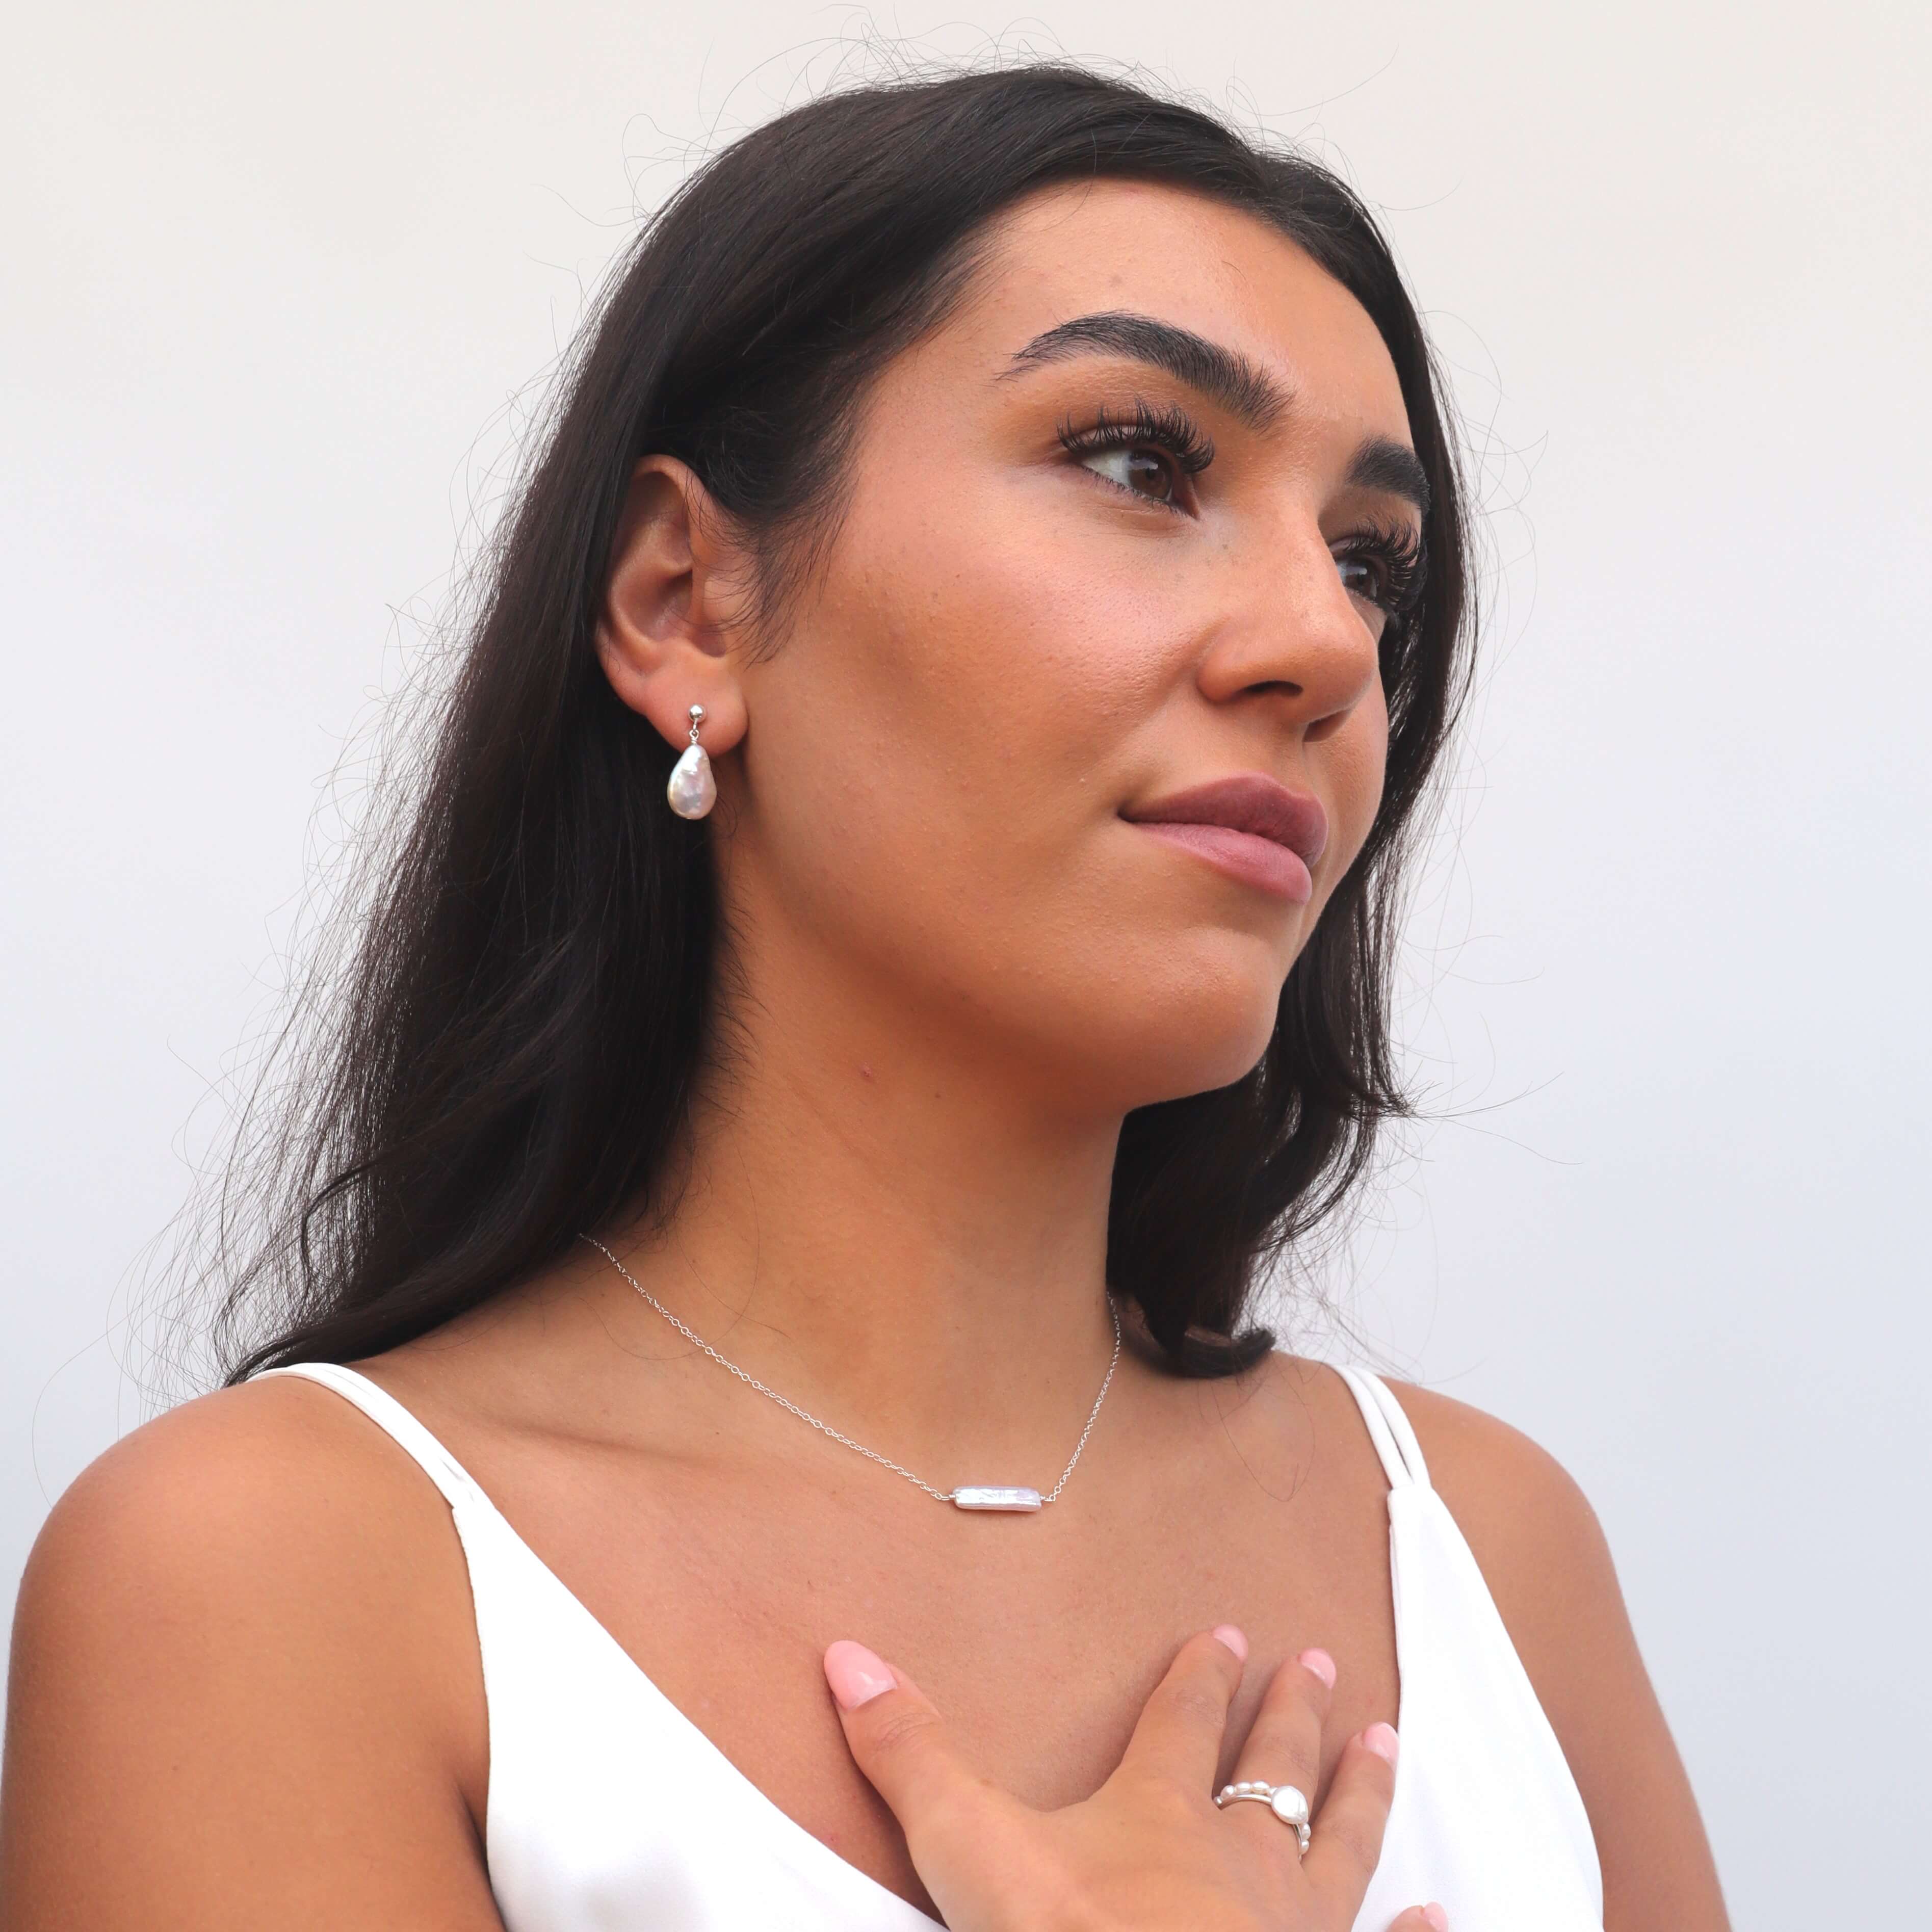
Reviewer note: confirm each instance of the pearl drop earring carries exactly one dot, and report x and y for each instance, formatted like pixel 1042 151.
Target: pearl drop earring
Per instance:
pixel 692 791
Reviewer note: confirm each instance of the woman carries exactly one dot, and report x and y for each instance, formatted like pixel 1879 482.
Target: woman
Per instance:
pixel 893 939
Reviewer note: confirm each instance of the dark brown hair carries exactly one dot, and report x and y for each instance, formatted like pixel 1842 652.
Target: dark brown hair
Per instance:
pixel 513 1047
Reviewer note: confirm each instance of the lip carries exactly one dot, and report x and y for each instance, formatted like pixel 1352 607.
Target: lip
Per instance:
pixel 1250 827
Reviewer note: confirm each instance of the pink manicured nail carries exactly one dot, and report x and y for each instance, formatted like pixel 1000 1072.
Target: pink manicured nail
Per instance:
pixel 1381 1739
pixel 855 1676
pixel 1436 1918
pixel 1320 1662
pixel 1233 1639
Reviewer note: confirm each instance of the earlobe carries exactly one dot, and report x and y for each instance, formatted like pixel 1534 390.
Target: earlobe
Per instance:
pixel 672 602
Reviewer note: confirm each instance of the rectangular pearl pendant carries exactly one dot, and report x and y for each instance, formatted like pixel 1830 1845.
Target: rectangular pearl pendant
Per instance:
pixel 996 1499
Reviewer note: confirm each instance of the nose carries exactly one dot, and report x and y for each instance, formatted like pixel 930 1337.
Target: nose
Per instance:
pixel 1293 636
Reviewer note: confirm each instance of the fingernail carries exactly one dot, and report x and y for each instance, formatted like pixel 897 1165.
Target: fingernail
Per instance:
pixel 1436 1918
pixel 1381 1739
pixel 1320 1662
pixel 1233 1639
pixel 855 1676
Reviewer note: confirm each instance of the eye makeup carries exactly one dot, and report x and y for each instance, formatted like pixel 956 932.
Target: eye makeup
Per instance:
pixel 1383 563
pixel 1179 447
pixel 1393 561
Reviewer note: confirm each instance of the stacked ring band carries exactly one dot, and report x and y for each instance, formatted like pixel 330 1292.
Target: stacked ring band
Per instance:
pixel 1287 1803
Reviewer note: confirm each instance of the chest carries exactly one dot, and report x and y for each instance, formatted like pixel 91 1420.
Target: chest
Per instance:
pixel 1038 1638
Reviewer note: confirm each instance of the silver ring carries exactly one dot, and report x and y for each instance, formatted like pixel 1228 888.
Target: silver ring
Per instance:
pixel 1288 1805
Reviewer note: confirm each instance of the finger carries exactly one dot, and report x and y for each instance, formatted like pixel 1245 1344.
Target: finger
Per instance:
pixel 1178 1736
pixel 1421 1918
pixel 901 1743
pixel 1348 1834
pixel 1284 1747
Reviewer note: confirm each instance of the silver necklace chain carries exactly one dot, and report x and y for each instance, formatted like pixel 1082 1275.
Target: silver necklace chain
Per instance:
pixel 1039 1500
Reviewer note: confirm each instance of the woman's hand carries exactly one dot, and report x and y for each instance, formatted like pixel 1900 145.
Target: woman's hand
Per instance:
pixel 1149 1850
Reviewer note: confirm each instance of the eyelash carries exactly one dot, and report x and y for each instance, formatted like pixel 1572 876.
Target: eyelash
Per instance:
pixel 1170 428
pixel 1400 561
pixel 1396 554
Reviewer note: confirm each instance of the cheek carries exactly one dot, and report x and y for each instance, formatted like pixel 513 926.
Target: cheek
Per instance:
pixel 1356 767
pixel 936 749
pixel 937 761
pixel 999 666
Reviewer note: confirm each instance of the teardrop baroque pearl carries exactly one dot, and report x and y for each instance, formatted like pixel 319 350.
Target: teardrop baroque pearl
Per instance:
pixel 692 791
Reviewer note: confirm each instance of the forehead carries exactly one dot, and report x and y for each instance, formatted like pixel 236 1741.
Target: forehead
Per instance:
pixel 1082 248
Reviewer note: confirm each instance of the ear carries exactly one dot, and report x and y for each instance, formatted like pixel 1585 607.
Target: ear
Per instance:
pixel 678 591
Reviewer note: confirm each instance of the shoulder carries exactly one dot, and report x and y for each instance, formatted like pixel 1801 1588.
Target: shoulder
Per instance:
pixel 1536 1539
pixel 1544 1555
pixel 1534 1534
pixel 252 1596
pixel 247 1498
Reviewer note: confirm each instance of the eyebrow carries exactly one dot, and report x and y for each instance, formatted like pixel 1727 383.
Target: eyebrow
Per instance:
pixel 1383 463
pixel 1223 373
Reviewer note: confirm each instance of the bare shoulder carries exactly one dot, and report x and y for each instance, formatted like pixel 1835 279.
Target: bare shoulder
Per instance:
pixel 1544 1555
pixel 1534 1534
pixel 238 1446
pixel 1542 1552
pixel 275 1500
pixel 243 1616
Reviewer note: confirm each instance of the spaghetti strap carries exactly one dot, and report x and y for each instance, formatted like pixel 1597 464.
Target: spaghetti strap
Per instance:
pixel 442 1468
pixel 1389 1429
pixel 608 1805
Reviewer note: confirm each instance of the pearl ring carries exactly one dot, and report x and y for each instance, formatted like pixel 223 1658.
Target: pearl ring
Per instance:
pixel 1288 1805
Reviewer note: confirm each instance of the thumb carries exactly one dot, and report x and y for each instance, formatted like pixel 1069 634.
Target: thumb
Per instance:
pixel 1422 1919
pixel 901 1743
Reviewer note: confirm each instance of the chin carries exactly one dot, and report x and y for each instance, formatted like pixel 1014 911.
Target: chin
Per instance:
pixel 1168 1053
pixel 1202 1072
pixel 1159 1021
pixel 1210 1026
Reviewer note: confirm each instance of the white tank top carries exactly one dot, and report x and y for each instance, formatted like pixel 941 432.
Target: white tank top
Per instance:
pixel 609 1811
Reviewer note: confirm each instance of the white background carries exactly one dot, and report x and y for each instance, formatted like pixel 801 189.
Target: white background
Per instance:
pixel 271 277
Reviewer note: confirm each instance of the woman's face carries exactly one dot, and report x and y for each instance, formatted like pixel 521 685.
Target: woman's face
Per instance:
pixel 1125 527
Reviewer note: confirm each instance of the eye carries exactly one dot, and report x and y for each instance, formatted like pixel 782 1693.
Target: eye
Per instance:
pixel 1361 578
pixel 1384 568
pixel 1153 454
pixel 1147 473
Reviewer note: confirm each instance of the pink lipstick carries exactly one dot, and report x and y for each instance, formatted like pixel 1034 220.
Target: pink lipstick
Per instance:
pixel 1250 827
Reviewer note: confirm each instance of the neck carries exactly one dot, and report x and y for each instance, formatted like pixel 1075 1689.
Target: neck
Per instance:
pixel 893 1235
